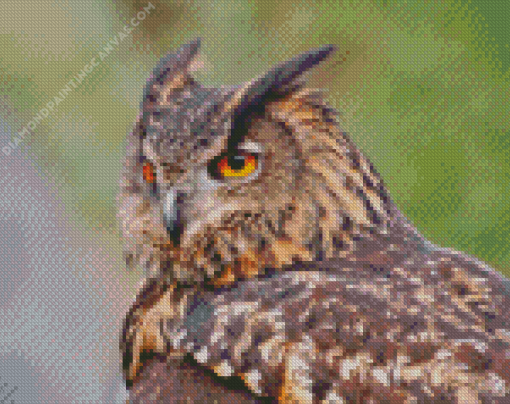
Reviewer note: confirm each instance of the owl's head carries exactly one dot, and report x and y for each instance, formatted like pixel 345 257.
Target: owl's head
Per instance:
pixel 222 183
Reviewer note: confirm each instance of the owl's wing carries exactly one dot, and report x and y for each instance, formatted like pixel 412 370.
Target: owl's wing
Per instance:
pixel 154 371
pixel 427 328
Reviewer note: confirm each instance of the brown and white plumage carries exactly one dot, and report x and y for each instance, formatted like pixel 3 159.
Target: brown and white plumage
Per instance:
pixel 302 284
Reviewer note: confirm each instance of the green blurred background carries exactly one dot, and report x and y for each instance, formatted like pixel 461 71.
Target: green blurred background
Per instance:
pixel 423 87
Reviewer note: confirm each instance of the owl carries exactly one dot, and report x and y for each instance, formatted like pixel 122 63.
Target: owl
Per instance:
pixel 278 268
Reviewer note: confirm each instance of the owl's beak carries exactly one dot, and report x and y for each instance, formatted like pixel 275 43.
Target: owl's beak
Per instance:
pixel 172 215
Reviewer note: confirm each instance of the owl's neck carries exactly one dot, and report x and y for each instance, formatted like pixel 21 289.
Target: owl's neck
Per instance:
pixel 401 237
pixel 352 244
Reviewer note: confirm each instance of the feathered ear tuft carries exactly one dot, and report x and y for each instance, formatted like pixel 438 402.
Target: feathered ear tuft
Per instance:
pixel 281 79
pixel 171 72
pixel 283 76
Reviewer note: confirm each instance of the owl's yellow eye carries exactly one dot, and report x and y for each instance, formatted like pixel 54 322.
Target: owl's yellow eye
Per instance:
pixel 240 164
pixel 148 173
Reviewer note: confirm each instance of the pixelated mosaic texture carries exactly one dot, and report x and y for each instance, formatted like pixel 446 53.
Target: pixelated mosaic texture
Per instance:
pixel 423 89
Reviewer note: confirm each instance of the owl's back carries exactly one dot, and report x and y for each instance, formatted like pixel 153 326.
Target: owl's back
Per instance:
pixel 402 322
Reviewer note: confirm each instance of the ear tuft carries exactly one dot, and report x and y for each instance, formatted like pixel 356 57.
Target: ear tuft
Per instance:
pixel 282 78
pixel 171 72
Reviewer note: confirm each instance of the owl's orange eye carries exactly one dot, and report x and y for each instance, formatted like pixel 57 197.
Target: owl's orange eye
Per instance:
pixel 238 165
pixel 149 175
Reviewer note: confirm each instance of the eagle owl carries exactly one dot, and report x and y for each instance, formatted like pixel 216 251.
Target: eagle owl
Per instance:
pixel 278 269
